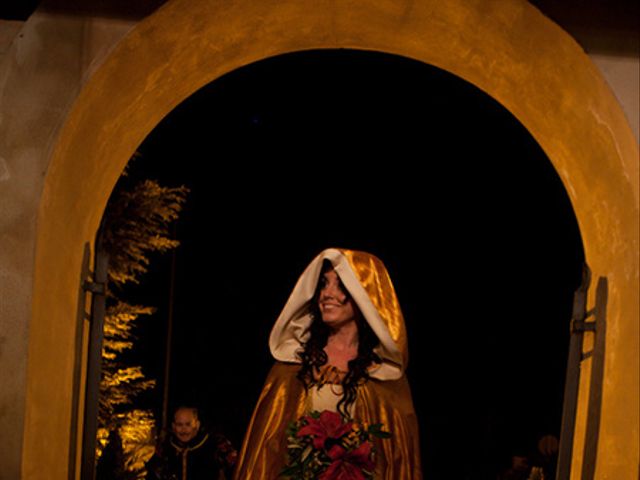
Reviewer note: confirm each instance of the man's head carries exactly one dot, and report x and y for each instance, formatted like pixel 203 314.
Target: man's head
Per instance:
pixel 519 462
pixel 185 423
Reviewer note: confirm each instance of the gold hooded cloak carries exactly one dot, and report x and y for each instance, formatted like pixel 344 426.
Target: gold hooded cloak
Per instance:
pixel 385 398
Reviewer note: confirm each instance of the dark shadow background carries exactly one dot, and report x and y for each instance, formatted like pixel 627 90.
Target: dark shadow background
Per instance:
pixel 375 152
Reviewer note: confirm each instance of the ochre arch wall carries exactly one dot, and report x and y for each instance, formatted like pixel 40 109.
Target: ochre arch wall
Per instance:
pixel 507 49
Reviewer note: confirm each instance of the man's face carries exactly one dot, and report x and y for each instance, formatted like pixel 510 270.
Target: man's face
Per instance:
pixel 185 424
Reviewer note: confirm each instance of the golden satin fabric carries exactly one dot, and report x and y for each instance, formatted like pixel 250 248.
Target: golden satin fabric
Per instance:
pixel 283 400
pixel 374 278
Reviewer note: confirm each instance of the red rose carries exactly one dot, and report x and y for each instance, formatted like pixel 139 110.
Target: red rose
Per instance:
pixel 348 465
pixel 329 425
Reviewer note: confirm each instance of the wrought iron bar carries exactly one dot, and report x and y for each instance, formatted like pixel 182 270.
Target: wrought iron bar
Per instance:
pixel 595 386
pixel 572 379
pixel 94 367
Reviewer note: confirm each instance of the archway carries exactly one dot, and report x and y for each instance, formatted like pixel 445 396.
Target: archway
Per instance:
pixel 510 51
pixel 468 214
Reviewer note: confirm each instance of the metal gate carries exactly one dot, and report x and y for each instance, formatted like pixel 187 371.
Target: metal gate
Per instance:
pixel 582 321
pixel 95 283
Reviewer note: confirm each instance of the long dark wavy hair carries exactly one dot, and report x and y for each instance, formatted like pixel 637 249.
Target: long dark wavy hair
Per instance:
pixel 313 355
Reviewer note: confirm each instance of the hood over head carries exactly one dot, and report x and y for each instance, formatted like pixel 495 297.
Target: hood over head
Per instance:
pixel 368 283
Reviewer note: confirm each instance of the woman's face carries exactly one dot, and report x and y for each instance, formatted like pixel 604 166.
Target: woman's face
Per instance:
pixel 336 305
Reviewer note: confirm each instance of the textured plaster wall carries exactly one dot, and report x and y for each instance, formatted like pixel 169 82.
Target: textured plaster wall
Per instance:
pixel 9 29
pixel 44 62
pixel 73 109
pixel 623 75
pixel 33 92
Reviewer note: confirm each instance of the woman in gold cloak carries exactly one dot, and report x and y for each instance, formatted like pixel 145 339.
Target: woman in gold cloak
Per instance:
pixel 340 345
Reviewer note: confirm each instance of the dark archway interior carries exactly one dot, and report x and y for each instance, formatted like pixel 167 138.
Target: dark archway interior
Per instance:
pixel 376 152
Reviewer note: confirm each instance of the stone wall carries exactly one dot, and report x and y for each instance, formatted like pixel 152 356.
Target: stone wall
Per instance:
pixel 48 209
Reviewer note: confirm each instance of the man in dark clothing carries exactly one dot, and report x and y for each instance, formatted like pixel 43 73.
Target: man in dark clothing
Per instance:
pixel 190 453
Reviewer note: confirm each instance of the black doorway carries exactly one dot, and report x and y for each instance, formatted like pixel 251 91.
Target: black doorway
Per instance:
pixel 375 152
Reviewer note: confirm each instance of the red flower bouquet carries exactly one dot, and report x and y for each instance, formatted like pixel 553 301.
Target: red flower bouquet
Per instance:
pixel 324 446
